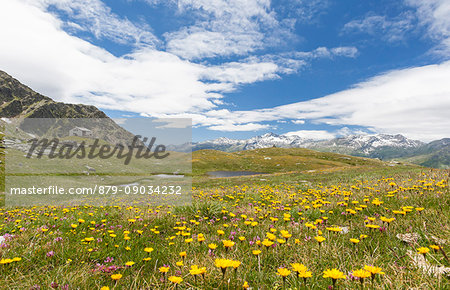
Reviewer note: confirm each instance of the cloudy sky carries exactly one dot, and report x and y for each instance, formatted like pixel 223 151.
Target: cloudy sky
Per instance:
pixel 240 68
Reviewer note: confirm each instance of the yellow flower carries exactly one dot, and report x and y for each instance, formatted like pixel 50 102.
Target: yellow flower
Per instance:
pixel 334 229
pixel 354 241
pixel 90 239
pixel 222 263
pixel 304 274
pixel 175 279
pixel 6 261
pixel 104 288
pixel 129 263
pixel 302 271
pixel 148 250
pixel 228 243
pixel 235 264
pixel 220 232
pixel 116 277
pixel 387 220
pixel 423 250
pixel 371 226
pixel 373 270
pixel 333 274
pixel 179 264
pixel 435 247
pixel 245 285
pixel 74 226
pixel 183 254
pixel 319 239
pixel 283 272
pixel 297 267
pixel 271 236
pixel 361 273
pixel 212 246
pixel 146 259
pixel 267 243
pixel 164 269
pixel 311 226
pixel 256 252
pixel 195 270
pixel 285 234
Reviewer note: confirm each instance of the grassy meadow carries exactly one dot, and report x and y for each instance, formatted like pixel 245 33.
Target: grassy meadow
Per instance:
pixel 314 221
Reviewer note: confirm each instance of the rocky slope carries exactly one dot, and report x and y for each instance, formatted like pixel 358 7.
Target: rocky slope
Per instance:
pixel 23 104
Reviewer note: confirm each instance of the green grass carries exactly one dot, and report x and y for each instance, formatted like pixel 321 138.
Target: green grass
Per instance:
pixel 307 193
pixel 274 160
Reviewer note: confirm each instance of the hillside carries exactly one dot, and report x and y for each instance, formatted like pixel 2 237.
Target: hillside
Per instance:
pixel 275 160
pixel 22 103
pixel 434 154
pixel 18 100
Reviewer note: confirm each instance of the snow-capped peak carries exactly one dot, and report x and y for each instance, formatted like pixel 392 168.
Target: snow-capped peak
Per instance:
pixel 361 143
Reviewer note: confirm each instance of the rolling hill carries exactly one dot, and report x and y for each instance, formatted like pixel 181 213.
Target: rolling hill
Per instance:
pixel 276 160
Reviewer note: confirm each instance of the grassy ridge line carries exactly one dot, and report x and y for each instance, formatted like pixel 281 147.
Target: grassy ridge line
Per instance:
pixel 275 160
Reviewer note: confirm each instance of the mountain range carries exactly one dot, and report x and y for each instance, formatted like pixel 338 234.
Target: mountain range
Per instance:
pixel 381 146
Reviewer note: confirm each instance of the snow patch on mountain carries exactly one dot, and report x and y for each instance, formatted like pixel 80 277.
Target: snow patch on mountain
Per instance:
pixel 360 143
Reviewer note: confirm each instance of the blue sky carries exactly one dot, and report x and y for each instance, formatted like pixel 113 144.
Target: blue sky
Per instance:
pixel 317 69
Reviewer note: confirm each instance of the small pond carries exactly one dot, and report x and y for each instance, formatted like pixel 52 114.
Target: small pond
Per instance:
pixel 232 173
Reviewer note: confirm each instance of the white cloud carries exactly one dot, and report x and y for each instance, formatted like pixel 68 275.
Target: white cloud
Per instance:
pixel 41 54
pixel 66 68
pixel 298 121
pixel 225 28
pixel 345 51
pixel 149 81
pixel 324 52
pixel 432 15
pixel 197 43
pixel 241 127
pixel 412 101
pixel 242 72
pixel 94 16
pixel 435 16
pixel 392 30
pixel 312 134
pixel 304 11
